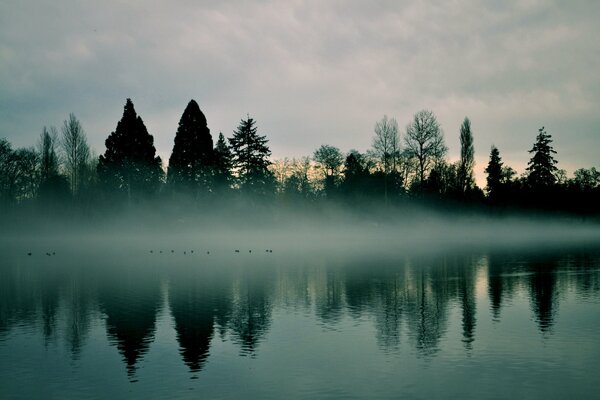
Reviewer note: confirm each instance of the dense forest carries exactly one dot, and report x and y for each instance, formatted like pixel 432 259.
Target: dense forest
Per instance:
pixel 62 173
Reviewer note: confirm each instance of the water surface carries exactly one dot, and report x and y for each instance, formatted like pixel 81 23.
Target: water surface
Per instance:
pixel 94 323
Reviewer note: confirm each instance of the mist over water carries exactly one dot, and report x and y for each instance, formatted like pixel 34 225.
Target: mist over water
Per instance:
pixel 272 303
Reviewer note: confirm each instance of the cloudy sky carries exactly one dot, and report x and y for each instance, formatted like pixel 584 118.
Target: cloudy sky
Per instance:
pixel 310 72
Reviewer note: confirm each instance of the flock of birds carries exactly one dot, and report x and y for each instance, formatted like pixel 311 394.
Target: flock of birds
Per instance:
pixel 160 252
pixel 208 252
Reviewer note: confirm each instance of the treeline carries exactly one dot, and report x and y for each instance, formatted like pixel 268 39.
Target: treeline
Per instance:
pixel 62 169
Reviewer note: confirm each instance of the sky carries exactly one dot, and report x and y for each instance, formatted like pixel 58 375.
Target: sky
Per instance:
pixel 309 72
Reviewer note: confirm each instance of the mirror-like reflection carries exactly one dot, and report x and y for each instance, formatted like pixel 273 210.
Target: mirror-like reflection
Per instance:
pixel 429 303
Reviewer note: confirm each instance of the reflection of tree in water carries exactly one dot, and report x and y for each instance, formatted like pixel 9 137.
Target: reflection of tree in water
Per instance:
pixel 78 298
pixel 197 303
pixel 467 275
pixel 18 297
pixel 329 294
pixel 427 304
pixel 390 303
pixel 503 279
pixel 542 291
pixel 130 301
pixel 251 314
pixel 379 288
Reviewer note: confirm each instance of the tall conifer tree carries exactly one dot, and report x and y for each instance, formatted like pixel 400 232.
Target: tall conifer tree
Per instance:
pixel 542 166
pixel 130 163
pixel 494 172
pixel 223 164
pixel 192 157
pixel 251 158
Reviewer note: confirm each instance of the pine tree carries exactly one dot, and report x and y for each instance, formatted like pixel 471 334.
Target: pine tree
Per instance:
pixel 250 158
pixel 130 163
pixel 223 164
pixel 192 157
pixel 494 172
pixel 542 166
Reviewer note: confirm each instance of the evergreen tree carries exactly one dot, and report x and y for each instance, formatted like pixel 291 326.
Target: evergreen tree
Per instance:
pixel 223 164
pixel 192 157
pixel 467 157
pixel 251 158
pixel 542 166
pixel 494 174
pixel 130 164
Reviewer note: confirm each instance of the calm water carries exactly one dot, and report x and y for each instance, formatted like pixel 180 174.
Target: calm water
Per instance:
pixel 476 324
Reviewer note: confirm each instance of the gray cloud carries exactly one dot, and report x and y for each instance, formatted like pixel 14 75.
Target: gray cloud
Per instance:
pixel 310 72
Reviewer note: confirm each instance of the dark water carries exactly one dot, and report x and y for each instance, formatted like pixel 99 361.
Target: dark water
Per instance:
pixel 477 324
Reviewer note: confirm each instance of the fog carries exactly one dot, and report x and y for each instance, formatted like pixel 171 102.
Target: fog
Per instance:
pixel 245 230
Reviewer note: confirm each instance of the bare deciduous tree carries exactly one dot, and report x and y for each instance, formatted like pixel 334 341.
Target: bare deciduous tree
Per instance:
pixel 386 148
pixel 386 143
pixel 424 140
pixel 47 153
pixel 76 151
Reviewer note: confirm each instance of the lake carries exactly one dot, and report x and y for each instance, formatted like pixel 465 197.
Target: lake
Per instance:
pixel 129 323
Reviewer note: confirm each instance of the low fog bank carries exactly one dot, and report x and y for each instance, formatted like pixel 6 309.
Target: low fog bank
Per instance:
pixel 293 232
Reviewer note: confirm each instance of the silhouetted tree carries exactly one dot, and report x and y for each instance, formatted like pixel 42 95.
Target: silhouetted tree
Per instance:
pixel 19 173
pixel 223 164
pixel 330 159
pixel 76 151
pixel 53 185
pixel 190 165
pixel 298 184
pixel 5 163
pixel 356 174
pixel 130 164
pixel 494 174
pixel 542 166
pixel 386 147
pixel 251 158
pixel 467 157
pixel 47 152
pixel 425 141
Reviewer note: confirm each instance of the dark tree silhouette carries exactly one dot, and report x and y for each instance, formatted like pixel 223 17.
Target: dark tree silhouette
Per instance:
pixel 542 166
pixel 130 164
pixel 467 157
pixel 21 174
pixel 494 174
pixel 223 164
pixel 386 148
pixel 251 159
pixel 425 141
pixel 52 184
pixel 76 152
pixel 356 174
pixel 190 165
pixel 48 156
pixel 330 158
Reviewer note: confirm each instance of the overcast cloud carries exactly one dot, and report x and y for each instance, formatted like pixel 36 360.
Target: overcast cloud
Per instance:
pixel 309 72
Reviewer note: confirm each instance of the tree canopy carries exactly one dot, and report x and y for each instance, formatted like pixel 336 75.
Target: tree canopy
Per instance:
pixel 130 163
pixel 190 164
pixel 251 158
